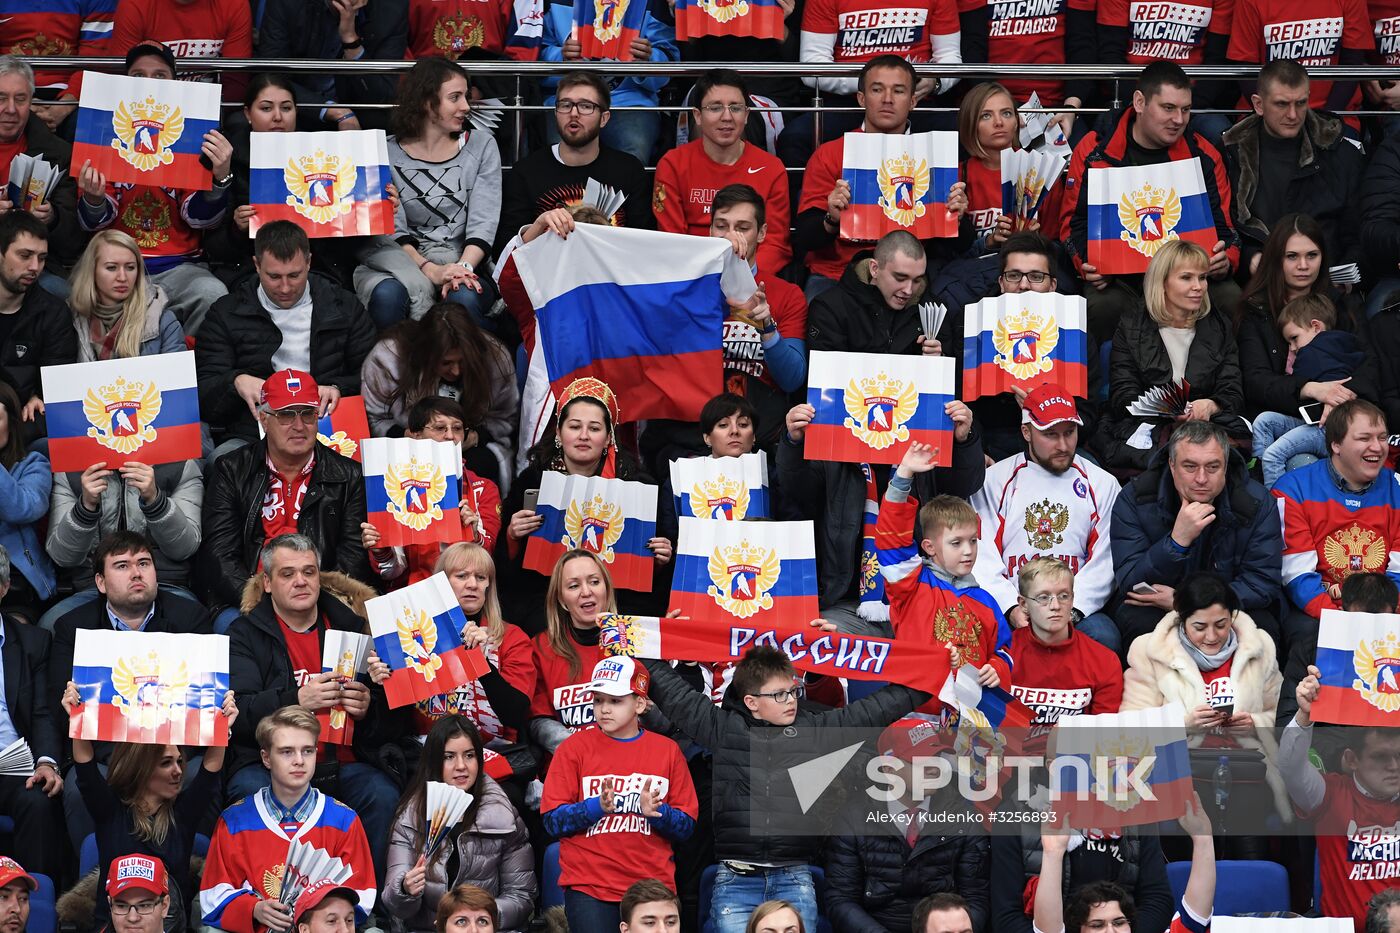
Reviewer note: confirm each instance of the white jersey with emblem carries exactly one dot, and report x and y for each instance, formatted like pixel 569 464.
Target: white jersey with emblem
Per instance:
pixel 1027 512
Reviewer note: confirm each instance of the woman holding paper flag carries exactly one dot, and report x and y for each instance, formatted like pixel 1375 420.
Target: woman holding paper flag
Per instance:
pixel 143 805
pixel 988 128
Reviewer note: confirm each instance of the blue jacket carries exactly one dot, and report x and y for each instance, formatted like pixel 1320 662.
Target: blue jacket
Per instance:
pixel 1331 355
pixel 1244 544
pixel 631 92
pixel 24 501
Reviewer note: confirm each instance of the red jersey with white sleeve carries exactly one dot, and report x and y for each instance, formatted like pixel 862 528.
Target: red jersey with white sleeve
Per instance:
pixel 514 658
pixel 687 180
pixel 855 31
pixel 1076 677
pixel 1310 33
pixel 560 693
pixel 1028 32
pixel 1385 26
pixel 604 860
pixel 43 28
pixel 1167 30
pixel 451 28
pixel 1358 847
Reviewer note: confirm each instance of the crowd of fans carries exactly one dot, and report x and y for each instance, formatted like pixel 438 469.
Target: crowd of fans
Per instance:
pixel 1106 563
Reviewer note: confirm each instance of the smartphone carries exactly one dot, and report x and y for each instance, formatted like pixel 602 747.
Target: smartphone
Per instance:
pixel 1146 589
pixel 1311 413
pixel 1226 710
pixel 532 500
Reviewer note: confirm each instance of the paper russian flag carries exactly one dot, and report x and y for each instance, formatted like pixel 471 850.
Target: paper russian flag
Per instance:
pixel 899 182
pixel 991 706
pixel 327 183
pixel 417 631
pixel 1358 655
pixel 412 489
pixel 612 518
pixel 651 330
pixel 760 571
pixel 150 688
pixel 731 488
pixel 606 28
pixel 1134 211
pixel 346 428
pixel 758 19
pixel 1121 769
pixel 342 654
pixel 1025 340
pixel 143 410
pixel 871 406
pixel 145 131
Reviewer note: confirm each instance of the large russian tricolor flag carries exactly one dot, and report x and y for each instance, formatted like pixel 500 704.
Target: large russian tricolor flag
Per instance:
pixel 758 19
pixel 145 131
pixel 346 428
pixel 417 631
pixel 1025 340
pixel 727 488
pixel 871 406
pixel 899 182
pixel 143 410
pixel 1121 769
pixel 1134 211
pixel 763 572
pixel 651 330
pixel 150 688
pixel 412 489
pixel 327 183
pixel 612 518
pixel 607 28
pixel 1358 655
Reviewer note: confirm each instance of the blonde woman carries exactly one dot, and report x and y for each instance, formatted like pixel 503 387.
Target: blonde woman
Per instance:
pixel 118 312
pixel 1172 335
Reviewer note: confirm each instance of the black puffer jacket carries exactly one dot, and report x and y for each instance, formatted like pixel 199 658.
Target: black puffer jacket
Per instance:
pixel 42 335
pixel 757 817
pixel 874 881
pixel 1140 362
pixel 1380 210
pixel 261 677
pixel 853 317
pixel 239 338
pixel 331 512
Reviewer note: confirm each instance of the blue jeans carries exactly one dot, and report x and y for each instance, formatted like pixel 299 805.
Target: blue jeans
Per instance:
pixel 388 304
pixel 363 788
pixel 736 896
pixel 1102 629
pixel 589 913
pixel 1285 443
pixel 632 131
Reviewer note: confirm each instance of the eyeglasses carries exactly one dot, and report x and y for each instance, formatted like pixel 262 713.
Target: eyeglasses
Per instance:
pixel 585 107
pixel 1047 599
pixel 1014 276
pixel 795 692
pixel 144 908
pixel 735 110
pixel 287 416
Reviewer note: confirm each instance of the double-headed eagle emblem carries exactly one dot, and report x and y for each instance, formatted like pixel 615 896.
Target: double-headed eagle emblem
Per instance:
pixel 903 185
pixel 415 491
pixel 1149 217
pixel 593 525
pixel 320 186
pixel 878 408
pixel 120 414
pixel 742 576
pixel 1024 342
pixel 145 131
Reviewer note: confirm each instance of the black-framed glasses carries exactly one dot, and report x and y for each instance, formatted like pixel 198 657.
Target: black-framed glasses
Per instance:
pixel 144 908
pixel 287 416
pixel 1014 276
pixel 795 692
pixel 585 107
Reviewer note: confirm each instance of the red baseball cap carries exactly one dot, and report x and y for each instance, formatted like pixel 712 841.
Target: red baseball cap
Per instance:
pixel 11 871
pixel 137 871
pixel 314 894
pixel 913 736
pixel 1048 405
pixel 620 677
pixel 290 388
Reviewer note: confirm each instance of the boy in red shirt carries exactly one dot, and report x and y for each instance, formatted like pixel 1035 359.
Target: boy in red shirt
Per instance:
pixel 617 797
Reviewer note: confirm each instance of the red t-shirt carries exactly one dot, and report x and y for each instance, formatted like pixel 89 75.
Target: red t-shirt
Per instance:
pixel 515 661
pixel 866 28
pixel 1356 847
pixel 304 650
pixel 1385 25
pixel 687 180
pixel 282 505
pixel 1027 32
pixel 823 171
pixel 558 693
pixel 1311 33
pixel 1077 677
pixel 1167 30
pixel 193 29
pixel 451 28
pixel 983 194
pixel 607 858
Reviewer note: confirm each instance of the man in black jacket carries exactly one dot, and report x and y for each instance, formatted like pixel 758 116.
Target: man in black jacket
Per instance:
pixel 286 318
pixel 1286 158
pixel 352 30
pixel 125 575
pixel 29 801
pixel 36 329
pixel 287 482
pixel 275 655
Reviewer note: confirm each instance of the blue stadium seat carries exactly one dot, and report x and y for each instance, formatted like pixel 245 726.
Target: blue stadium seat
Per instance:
pixel 87 857
pixel 201 845
pixel 551 895
pixel 707 891
pixel 43 906
pixel 7 825
pixel 1241 887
